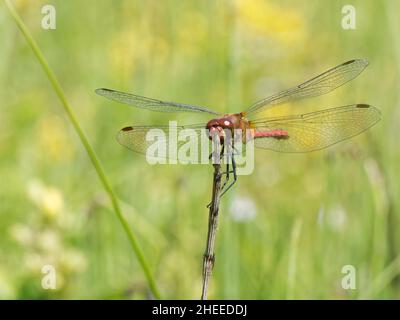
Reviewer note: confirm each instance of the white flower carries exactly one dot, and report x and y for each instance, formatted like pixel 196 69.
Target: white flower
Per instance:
pixel 243 209
pixel 21 233
pixel 337 217
pixel 73 260
pixel 49 241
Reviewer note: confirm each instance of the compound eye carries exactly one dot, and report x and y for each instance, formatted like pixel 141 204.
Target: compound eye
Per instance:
pixel 227 123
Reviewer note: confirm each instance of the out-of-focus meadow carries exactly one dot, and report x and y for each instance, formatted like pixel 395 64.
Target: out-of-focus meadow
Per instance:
pixel 286 231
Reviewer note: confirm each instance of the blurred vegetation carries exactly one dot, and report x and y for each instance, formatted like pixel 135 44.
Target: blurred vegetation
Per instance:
pixel 285 231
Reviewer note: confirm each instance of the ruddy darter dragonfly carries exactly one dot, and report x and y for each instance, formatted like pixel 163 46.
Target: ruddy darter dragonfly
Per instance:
pixel 294 133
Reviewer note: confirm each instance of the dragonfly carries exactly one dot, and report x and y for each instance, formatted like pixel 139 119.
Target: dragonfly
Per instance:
pixel 292 134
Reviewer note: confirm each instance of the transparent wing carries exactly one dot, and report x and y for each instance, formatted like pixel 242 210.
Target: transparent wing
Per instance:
pixel 324 83
pixel 146 139
pixel 150 104
pixel 314 131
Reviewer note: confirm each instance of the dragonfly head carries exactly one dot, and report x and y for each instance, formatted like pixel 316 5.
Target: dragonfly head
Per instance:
pixel 219 126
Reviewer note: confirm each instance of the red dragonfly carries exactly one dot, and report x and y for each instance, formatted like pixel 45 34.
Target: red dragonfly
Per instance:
pixel 294 133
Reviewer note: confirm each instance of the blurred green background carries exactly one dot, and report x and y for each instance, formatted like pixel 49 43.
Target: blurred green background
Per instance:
pixel 286 231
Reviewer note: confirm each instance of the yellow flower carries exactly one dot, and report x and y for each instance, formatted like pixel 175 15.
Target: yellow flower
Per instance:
pixel 23 4
pixel 281 23
pixel 192 35
pixel 124 51
pixel 53 139
pixel 48 199
pixel 130 49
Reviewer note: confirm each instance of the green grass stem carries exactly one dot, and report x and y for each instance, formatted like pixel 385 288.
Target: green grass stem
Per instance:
pixel 90 151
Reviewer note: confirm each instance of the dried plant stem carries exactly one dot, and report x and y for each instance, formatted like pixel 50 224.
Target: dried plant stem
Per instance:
pixel 90 151
pixel 209 257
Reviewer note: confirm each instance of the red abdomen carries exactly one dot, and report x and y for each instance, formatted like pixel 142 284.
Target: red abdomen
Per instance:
pixel 276 133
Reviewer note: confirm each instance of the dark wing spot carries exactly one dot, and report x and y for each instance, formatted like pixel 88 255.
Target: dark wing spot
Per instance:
pixel 100 90
pixel 127 129
pixel 362 105
pixel 348 62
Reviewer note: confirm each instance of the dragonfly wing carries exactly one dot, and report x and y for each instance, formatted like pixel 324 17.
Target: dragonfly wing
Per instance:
pixel 150 104
pixel 319 85
pixel 157 140
pixel 316 130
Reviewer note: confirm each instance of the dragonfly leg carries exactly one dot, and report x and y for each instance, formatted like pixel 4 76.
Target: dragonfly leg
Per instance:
pixel 234 176
pixel 213 154
pixel 230 171
pixel 233 153
pixel 226 173
pixel 226 176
